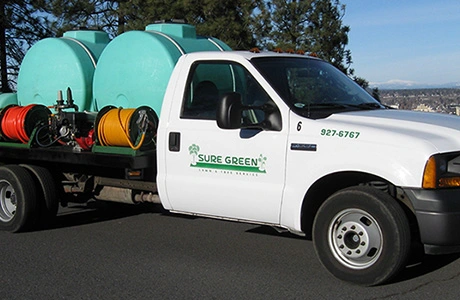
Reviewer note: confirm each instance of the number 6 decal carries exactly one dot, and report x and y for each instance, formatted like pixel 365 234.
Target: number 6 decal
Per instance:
pixel 299 126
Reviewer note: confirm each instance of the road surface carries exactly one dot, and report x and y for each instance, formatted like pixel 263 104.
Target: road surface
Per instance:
pixel 142 252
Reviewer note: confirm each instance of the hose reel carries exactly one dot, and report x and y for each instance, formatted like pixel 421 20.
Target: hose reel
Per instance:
pixel 135 128
pixel 18 122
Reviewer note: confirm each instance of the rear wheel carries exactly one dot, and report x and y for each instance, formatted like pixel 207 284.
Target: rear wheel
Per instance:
pixel 17 199
pixel 47 197
pixel 362 235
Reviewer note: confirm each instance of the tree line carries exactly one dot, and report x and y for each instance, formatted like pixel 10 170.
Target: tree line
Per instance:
pixel 306 25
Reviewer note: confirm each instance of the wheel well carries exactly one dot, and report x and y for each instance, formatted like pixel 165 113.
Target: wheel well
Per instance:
pixel 328 185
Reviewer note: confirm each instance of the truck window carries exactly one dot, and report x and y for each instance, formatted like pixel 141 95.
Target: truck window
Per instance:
pixel 209 81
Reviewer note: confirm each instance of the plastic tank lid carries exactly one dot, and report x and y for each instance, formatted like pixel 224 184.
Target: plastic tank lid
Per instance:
pixel 185 31
pixel 90 36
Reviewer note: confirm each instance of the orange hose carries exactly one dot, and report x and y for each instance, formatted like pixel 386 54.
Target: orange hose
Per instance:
pixel 113 129
pixel 13 126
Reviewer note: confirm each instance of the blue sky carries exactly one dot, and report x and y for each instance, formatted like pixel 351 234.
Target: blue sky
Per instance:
pixel 408 40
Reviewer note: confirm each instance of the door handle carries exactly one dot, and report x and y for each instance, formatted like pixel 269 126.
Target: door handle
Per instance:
pixel 174 141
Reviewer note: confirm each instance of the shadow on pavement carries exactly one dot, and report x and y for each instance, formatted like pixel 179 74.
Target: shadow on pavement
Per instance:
pixel 428 264
pixel 267 230
pixel 99 211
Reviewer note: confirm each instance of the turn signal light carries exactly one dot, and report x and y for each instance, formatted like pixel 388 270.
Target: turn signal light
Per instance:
pixel 429 175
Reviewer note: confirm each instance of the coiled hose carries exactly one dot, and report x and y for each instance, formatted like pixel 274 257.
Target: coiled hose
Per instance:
pixel 114 128
pixel 18 122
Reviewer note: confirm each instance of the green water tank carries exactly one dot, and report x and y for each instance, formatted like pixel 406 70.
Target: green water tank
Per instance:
pixel 55 64
pixel 134 69
pixel 7 99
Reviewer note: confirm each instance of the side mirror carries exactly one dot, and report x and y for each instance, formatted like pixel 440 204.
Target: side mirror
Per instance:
pixel 229 110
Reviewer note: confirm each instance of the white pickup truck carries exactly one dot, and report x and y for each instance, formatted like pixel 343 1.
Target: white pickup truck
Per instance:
pixel 284 140
pixel 297 144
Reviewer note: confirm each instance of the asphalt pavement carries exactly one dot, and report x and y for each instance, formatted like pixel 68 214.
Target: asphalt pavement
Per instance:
pixel 114 251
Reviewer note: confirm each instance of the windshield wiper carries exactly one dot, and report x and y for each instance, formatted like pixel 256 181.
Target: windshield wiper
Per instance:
pixel 324 109
pixel 326 105
pixel 369 105
pixel 363 106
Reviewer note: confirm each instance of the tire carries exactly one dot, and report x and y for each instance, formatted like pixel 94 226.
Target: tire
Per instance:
pixel 47 196
pixel 17 199
pixel 362 235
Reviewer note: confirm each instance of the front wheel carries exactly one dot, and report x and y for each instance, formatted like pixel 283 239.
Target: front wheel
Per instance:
pixel 362 235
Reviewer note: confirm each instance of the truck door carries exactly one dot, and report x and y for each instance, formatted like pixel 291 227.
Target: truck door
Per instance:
pixel 234 173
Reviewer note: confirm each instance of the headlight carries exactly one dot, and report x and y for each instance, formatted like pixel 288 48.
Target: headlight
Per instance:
pixel 442 171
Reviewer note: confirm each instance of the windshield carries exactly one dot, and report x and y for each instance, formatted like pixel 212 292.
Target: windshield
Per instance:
pixel 312 87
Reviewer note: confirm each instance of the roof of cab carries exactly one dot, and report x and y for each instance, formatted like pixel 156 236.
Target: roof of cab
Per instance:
pixel 245 54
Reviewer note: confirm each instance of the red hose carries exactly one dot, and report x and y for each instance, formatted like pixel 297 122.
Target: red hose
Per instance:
pixel 13 123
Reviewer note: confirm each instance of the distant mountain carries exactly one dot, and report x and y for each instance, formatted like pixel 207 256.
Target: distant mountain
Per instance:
pixel 407 85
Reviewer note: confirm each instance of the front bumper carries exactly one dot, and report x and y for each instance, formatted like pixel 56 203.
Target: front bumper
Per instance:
pixel 438 218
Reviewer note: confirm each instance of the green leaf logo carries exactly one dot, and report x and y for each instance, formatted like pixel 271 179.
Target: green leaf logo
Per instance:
pixel 262 159
pixel 194 149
